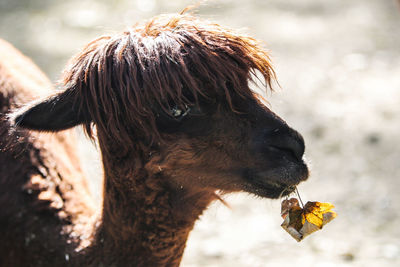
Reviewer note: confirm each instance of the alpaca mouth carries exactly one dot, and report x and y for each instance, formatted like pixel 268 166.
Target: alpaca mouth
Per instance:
pixel 276 182
pixel 270 189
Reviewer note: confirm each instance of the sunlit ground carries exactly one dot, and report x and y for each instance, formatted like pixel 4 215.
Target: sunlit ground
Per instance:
pixel 338 64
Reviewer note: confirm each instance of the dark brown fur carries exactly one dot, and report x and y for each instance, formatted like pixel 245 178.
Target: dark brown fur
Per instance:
pixel 43 195
pixel 176 121
pixel 169 59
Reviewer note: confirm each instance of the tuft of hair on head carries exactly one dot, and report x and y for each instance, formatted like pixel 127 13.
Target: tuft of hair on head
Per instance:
pixel 192 7
pixel 170 60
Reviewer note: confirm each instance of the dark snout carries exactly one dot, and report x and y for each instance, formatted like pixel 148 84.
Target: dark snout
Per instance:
pixel 279 158
pixel 283 151
pixel 288 141
pixel 273 135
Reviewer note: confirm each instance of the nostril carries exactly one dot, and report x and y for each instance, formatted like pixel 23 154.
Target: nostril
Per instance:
pixel 289 150
pixel 292 144
pixel 298 146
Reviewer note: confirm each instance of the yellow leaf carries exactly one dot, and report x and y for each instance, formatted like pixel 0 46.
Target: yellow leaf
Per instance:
pixel 300 222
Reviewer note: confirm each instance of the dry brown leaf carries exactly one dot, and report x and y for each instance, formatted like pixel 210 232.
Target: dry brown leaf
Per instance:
pixel 301 222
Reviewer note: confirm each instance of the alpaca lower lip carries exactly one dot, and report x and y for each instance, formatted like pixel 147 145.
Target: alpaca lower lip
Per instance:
pixel 277 182
pixel 270 190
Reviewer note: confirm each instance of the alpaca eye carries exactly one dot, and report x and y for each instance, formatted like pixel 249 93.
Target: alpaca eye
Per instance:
pixel 179 113
pixel 176 112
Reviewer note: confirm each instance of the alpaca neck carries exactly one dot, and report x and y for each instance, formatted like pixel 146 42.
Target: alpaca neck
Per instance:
pixel 145 221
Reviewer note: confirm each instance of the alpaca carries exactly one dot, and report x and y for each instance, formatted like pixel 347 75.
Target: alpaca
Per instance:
pixel 177 125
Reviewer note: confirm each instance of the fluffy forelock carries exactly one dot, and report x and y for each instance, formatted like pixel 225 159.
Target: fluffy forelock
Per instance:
pixel 168 60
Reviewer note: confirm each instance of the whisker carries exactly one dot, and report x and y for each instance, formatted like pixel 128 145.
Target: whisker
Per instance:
pixel 283 191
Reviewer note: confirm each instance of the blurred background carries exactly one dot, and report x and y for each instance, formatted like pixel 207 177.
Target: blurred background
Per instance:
pixel 338 64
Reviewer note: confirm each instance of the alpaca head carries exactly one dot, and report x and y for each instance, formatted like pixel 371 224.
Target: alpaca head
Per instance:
pixel 176 88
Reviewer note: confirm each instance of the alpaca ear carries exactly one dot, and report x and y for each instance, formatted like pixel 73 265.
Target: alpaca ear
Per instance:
pixel 56 113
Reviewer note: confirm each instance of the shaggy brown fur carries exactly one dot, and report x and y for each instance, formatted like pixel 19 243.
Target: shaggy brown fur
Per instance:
pixel 176 121
pixel 169 59
pixel 43 196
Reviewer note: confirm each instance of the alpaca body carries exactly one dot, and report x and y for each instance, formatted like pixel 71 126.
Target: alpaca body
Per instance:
pixel 43 195
pixel 177 124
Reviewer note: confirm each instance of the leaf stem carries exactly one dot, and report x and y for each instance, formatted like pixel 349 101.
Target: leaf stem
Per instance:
pixel 301 202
